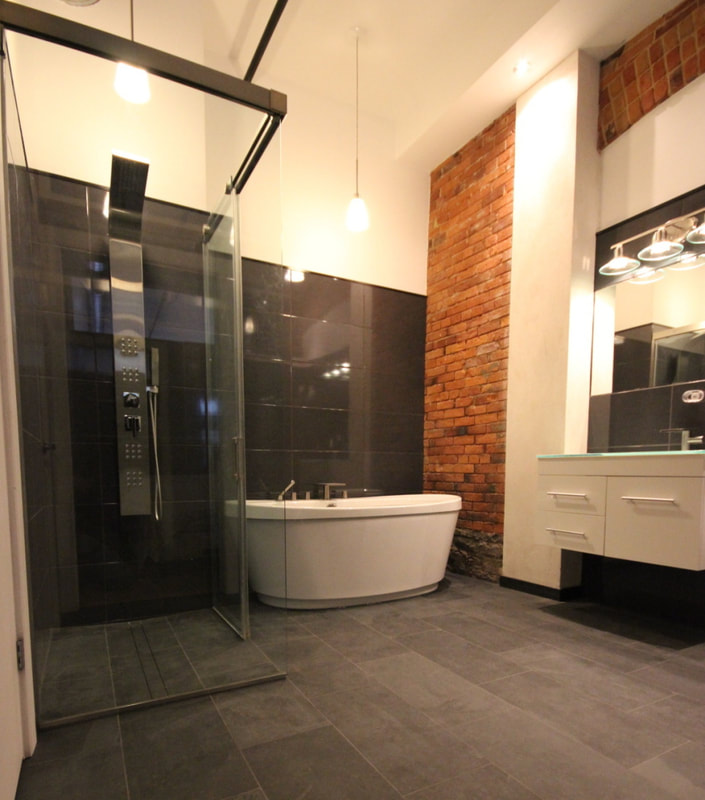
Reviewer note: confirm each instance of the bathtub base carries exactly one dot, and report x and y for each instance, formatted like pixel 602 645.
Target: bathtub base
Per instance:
pixel 298 604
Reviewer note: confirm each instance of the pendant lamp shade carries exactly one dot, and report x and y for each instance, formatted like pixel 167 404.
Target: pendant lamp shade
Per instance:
pixel 132 83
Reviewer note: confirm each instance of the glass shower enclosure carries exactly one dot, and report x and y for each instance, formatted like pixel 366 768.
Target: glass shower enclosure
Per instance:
pixel 128 327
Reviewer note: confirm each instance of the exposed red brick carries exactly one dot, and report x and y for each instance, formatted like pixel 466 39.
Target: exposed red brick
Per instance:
pixel 467 325
pixel 650 67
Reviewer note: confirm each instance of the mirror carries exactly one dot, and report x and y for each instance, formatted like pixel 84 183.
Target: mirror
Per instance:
pixel 651 332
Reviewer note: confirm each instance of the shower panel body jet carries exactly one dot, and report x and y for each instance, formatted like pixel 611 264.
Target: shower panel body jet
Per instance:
pixel 127 187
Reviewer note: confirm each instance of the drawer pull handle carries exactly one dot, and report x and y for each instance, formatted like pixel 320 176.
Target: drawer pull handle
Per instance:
pixel 567 494
pixel 566 533
pixel 631 499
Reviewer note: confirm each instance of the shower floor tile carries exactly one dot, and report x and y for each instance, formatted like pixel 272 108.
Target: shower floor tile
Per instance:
pixel 94 668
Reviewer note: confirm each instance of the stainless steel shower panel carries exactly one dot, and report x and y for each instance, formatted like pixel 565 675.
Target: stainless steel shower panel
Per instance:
pixel 127 186
pixel 132 413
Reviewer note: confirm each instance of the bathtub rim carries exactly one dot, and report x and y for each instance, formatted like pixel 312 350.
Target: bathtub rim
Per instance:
pixel 376 506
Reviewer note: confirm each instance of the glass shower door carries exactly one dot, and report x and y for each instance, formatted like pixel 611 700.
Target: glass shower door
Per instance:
pixel 225 413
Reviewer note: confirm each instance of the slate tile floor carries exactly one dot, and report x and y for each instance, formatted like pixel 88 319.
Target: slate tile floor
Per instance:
pixel 473 693
pixel 92 668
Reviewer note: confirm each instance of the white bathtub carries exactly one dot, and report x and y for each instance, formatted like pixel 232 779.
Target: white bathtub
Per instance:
pixel 349 551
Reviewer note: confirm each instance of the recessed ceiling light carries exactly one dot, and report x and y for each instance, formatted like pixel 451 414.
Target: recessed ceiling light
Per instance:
pixel 81 2
pixel 522 66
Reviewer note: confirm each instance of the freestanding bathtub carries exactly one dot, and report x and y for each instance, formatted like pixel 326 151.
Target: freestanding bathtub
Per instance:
pixel 349 551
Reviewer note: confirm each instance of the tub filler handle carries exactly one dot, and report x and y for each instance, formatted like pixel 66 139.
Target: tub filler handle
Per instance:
pixel 289 485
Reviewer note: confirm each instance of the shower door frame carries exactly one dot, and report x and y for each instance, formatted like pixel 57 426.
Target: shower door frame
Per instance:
pixel 273 104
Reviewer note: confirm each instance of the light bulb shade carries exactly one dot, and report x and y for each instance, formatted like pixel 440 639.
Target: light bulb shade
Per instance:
pixel 132 83
pixel 646 275
pixel 688 260
pixel 357 219
pixel 697 235
pixel 660 248
pixel 619 264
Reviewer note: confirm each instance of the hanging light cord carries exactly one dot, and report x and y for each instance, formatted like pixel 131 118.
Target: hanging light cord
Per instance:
pixel 132 20
pixel 357 109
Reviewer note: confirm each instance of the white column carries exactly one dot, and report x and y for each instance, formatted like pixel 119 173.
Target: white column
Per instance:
pixel 556 191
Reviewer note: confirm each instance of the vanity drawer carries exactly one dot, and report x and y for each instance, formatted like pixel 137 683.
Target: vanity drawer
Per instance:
pixel 578 494
pixel 656 521
pixel 582 532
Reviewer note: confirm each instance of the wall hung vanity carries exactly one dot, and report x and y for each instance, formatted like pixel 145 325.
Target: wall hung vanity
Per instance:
pixel 646 507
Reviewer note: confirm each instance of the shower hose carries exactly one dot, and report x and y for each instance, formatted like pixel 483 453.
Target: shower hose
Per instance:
pixel 152 392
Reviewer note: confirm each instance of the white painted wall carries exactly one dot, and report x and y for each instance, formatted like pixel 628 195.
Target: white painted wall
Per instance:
pixel 659 158
pixel 555 215
pixel 294 206
pixel 317 181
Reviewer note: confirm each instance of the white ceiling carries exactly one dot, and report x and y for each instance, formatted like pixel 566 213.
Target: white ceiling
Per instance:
pixel 438 70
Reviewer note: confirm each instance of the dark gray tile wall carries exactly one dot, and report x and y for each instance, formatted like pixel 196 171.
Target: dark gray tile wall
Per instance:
pixel 334 376
pixel 333 389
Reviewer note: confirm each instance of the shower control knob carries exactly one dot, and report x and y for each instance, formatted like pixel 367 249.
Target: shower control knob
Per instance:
pixel 131 399
pixel 133 423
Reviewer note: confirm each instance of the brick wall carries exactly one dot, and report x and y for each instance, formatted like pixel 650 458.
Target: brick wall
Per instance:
pixel 470 235
pixel 469 262
pixel 651 67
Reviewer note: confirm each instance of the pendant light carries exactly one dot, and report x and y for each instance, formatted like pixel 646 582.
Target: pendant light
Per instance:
pixel 619 264
pixel 357 218
pixel 132 83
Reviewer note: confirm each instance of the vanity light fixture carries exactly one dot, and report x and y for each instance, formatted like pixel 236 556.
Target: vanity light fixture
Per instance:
pixel 646 275
pixel 357 219
pixel 688 260
pixel 619 264
pixel 132 83
pixel 697 234
pixel 660 248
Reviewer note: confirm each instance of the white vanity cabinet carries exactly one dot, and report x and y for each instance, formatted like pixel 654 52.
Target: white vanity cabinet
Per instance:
pixel 645 507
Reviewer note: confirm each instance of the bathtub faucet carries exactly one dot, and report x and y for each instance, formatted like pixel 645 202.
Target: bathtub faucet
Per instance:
pixel 289 485
pixel 328 486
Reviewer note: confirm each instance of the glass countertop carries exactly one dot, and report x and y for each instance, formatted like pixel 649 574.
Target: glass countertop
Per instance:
pixel 634 454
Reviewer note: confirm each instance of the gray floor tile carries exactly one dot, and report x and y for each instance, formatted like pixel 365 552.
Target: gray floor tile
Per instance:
pixel 471 662
pixel 83 760
pixel 483 783
pixel 681 772
pixel 480 633
pixel 182 751
pixel 316 765
pixel 78 690
pixel 402 743
pixel 606 649
pixel 370 706
pixel 552 765
pixel 441 694
pixel 318 679
pixel 678 675
pixel 355 640
pixel 679 714
pixel 263 713
pixel 605 729
pixel 389 619
pixel 588 678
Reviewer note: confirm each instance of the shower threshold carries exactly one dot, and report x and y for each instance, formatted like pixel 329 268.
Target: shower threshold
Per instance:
pixel 92 671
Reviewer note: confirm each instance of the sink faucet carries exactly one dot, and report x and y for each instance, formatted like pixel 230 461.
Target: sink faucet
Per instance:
pixel 289 485
pixel 328 486
pixel 686 438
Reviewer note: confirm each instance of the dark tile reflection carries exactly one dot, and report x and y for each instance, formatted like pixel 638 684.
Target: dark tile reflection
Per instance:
pixel 639 419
